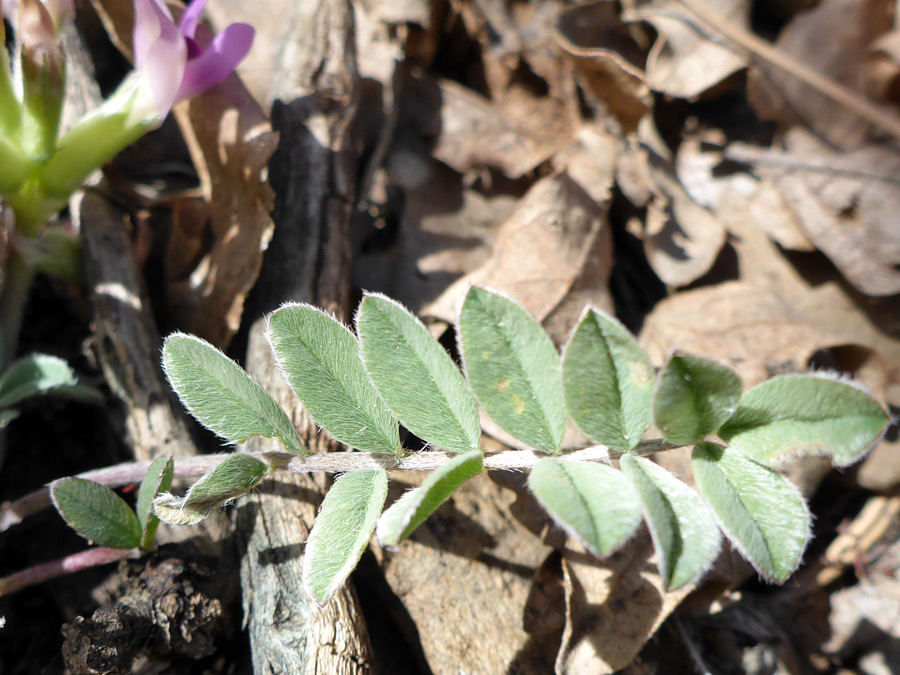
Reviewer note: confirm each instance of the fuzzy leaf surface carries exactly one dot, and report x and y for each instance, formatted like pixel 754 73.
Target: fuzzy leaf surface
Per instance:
pixel 683 529
pixel 608 382
pixel 157 479
pixel 694 397
pixel 804 413
pixel 513 368
pixel 593 502
pixel 223 397
pixel 234 476
pixel 320 359
pixel 414 507
pixel 416 377
pixel 342 531
pixel 760 511
pixel 96 513
pixel 38 374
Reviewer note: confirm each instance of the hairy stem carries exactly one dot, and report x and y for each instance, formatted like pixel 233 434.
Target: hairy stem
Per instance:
pixel 72 563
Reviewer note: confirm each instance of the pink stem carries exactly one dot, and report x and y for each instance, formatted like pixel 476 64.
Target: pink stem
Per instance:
pixel 72 563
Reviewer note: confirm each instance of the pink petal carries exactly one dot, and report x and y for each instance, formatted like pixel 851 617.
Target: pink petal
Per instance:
pixel 163 71
pixel 188 23
pixel 217 62
pixel 152 22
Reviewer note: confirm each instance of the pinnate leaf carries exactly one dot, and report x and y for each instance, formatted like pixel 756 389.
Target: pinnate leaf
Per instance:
pixel 223 397
pixel 416 377
pixel 593 502
pixel 693 398
pixel 342 531
pixel 761 511
pixel 414 507
pixel 513 368
pixel 805 413
pixel 236 475
pixel 321 361
pixel 96 513
pixel 157 479
pixel 684 532
pixel 608 382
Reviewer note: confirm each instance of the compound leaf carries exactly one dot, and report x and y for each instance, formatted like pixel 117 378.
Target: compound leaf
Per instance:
pixel 761 511
pixel 513 368
pixel 236 475
pixel 593 502
pixel 684 532
pixel 805 413
pixel 223 397
pixel 320 359
pixel 96 513
pixel 694 397
pixel 157 479
pixel 414 507
pixel 416 377
pixel 342 531
pixel 608 382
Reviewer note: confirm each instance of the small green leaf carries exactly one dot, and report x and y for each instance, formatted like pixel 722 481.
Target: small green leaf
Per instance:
pixel 236 475
pixel 342 531
pixel 157 479
pixel 96 513
pixel 805 413
pixel 223 397
pixel 608 382
pixel 684 532
pixel 513 368
pixel 320 359
pixel 414 507
pixel 694 397
pixel 594 502
pixel 416 377
pixel 38 374
pixel 761 512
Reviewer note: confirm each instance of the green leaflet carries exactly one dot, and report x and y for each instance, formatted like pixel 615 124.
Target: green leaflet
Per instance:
pixel 37 374
pixel 414 507
pixel 684 532
pixel 96 513
pixel 513 368
pixel 234 476
pixel 805 413
pixel 320 359
pixel 342 531
pixel 693 398
pixel 761 512
pixel 416 377
pixel 594 502
pixel 608 382
pixel 223 397
pixel 157 479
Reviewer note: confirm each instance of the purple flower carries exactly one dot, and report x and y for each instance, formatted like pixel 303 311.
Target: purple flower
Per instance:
pixel 174 65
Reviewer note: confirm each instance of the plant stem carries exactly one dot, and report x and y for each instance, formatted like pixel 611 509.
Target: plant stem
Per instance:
pixel 72 563
pixel 18 277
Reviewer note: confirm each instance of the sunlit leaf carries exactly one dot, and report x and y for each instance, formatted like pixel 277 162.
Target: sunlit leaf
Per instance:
pixel 593 502
pixel 320 359
pixel 513 368
pixel 414 507
pixel 96 513
pixel 684 532
pixel 157 479
pixel 342 531
pixel 693 398
pixel 416 377
pixel 236 475
pixel 761 511
pixel 608 382
pixel 805 414
pixel 38 374
pixel 223 397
